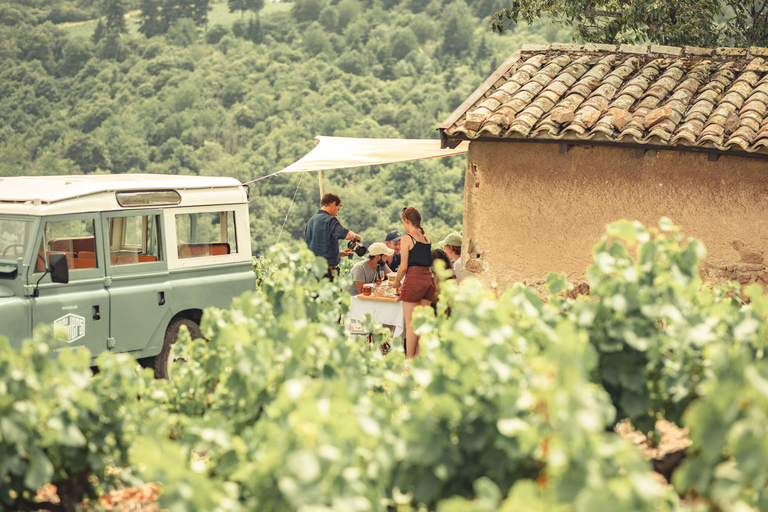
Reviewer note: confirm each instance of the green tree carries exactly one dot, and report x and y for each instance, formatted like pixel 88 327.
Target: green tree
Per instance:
pixel 107 33
pixel 316 40
pixel 255 32
pixel 151 20
pixel 75 54
pixel 199 11
pixel 423 27
pixel 182 32
pixel 41 42
pixel 89 153
pixel 705 23
pixel 329 18
pixel 418 6
pixel 403 41
pixel 171 11
pixel 347 11
pixel 458 29
pixel 114 11
pixel 307 10
pixel 214 35
pixel 174 10
pixel 245 5
pixel 98 32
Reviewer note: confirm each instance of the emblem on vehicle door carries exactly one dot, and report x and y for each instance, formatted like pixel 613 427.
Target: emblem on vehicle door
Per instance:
pixel 69 328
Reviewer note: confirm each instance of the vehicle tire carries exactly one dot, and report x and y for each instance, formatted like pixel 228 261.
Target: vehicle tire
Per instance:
pixel 165 360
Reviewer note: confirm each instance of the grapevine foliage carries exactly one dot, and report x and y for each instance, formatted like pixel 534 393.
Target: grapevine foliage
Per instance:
pixel 509 408
pixel 61 425
pixel 650 318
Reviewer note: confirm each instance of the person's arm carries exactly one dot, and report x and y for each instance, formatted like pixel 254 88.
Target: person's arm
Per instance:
pixel 405 246
pixel 350 236
pixel 339 232
pixel 358 276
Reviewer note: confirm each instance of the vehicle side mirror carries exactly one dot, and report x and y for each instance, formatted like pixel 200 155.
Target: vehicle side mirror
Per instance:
pixel 58 268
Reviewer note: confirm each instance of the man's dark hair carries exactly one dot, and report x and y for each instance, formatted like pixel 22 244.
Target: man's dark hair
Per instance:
pixel 456 248
pixel 329 199
pixel 439 254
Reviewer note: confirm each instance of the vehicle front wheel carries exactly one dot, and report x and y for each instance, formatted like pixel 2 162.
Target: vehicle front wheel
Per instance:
pixel 168 357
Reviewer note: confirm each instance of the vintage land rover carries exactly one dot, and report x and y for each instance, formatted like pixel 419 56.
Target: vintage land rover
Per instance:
pixel 120 262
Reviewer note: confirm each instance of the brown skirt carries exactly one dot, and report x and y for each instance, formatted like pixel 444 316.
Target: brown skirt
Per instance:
pixel 419 284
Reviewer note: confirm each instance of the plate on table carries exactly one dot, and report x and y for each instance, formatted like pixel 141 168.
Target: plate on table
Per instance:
pixel 386 298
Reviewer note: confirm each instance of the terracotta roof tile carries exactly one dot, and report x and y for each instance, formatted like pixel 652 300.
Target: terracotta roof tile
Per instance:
pixel 756 103
pixel 712 98
pixel 751 120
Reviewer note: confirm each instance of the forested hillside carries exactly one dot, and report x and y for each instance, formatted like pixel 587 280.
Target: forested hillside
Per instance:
pixel 241 89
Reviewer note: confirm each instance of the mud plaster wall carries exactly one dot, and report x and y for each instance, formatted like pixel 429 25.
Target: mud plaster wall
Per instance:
pixel 530 210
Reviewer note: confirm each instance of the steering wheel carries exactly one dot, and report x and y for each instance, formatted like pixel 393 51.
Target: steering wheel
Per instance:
pixel 15 249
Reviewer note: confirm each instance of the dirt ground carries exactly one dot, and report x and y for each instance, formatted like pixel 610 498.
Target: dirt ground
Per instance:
pixel 667 454
pixel 132 499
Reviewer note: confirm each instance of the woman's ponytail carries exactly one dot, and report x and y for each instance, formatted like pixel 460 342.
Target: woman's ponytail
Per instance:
pixel 414 217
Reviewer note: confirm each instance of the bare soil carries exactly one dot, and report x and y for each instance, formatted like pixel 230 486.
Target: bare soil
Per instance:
pixel 132 499
pixel 667 454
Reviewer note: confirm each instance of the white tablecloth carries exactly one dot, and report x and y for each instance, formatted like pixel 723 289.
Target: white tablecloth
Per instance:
pixel 383 312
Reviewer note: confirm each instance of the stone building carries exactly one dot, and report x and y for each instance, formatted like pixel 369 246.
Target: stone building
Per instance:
pixel 568 138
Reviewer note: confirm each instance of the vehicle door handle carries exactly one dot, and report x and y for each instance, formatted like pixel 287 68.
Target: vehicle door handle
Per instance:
pixel 161 298
pixel 96 313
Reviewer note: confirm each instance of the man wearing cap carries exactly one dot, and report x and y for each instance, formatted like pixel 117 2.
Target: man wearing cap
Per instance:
pixel 324 231
pixel 452 247
pixel 364 272
pixel 392 241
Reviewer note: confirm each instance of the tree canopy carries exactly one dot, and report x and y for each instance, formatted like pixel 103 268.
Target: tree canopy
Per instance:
pixel 244 96
pixel 706 23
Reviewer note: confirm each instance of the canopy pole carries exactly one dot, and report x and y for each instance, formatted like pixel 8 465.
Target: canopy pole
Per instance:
pixel 320 180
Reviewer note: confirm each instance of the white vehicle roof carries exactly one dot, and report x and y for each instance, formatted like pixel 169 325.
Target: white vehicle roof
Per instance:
pixel 37 195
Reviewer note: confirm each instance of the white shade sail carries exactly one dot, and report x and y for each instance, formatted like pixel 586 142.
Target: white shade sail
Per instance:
pixel 346 152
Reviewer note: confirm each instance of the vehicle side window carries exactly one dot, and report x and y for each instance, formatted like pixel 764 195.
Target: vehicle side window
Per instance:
pixel 14 237
pixel 74 238
pixel 206 234
pixel 134 239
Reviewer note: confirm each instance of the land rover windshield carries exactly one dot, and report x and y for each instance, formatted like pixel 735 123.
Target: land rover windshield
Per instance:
pixel 15 236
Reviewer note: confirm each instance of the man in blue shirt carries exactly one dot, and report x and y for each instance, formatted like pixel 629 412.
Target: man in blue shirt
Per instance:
pixel 324 230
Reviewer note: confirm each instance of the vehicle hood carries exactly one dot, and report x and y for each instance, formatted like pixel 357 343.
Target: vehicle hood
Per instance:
pixel 6 292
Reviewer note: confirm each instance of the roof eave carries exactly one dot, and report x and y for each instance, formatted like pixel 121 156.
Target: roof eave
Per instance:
pixel 566 144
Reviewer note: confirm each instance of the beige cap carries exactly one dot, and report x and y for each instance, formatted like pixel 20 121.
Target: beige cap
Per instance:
pixel 453 239
pixel 377 248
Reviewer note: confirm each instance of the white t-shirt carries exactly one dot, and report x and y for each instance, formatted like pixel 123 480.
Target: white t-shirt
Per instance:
pixel 457 270
pixel 363 273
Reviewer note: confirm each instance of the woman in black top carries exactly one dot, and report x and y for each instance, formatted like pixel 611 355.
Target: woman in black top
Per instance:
pixel 416 266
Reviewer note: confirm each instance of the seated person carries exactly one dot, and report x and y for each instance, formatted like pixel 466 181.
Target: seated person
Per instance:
pixel 452 247
pixel 364 272
pixel 441 255
pixel 441 261
pixel 393 242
